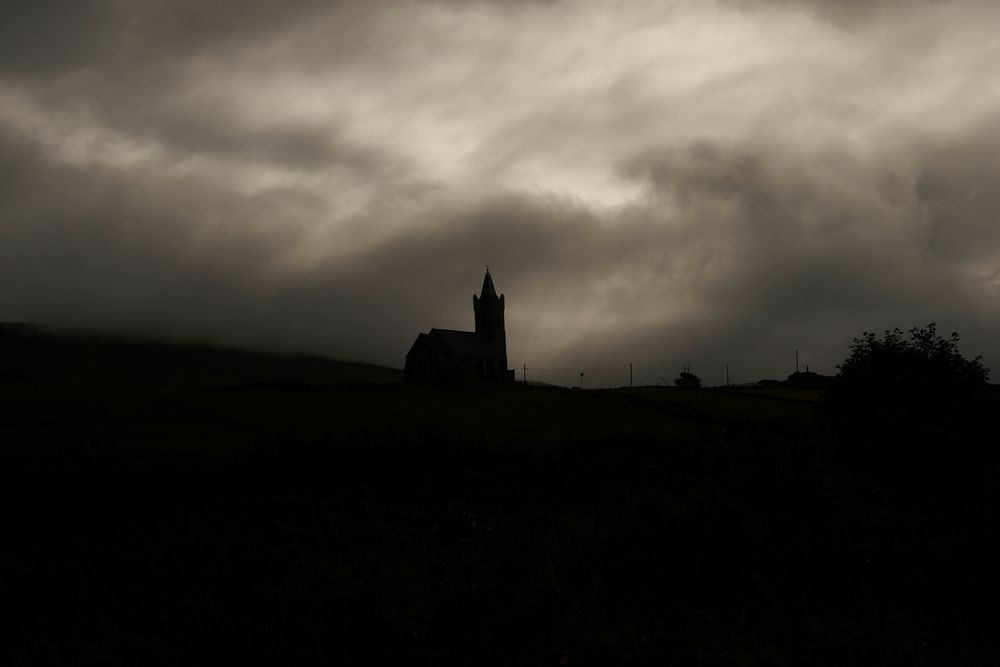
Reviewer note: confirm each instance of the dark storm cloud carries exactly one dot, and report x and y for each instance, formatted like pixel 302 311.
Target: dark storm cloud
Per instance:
pixel 657 185
pixel 56 36
pixel 103 243
pixel 299 147
pixel 47 37
pixel 129 65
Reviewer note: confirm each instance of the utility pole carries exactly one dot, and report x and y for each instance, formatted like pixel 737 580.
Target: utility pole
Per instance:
pixel 630 374
pixel 796 360
pixel 727 375
pixel 524 373
pixel 581 380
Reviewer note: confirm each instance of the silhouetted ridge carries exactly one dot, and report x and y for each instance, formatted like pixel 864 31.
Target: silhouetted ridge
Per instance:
pixel 38 355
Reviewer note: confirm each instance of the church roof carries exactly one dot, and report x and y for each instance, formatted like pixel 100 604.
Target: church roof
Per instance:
pixel 462 343
pixel 488 288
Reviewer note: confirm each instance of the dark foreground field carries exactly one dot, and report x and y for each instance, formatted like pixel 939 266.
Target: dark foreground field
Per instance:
pixel 218 506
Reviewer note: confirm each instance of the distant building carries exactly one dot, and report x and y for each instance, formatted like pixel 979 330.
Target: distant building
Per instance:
pixel 446 356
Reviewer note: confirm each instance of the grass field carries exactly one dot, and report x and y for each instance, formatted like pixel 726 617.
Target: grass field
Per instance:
pixel 168 504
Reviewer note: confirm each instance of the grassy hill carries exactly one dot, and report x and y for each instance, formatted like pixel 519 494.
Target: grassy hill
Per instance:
pixel 164 504
pixel 52 357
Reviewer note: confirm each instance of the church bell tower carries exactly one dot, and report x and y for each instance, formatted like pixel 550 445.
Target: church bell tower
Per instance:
pixel 489 316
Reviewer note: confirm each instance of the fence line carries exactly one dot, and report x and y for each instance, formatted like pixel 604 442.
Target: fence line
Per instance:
pixel 653 372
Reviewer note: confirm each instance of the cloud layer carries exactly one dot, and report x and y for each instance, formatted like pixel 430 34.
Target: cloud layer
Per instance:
pixel 656 182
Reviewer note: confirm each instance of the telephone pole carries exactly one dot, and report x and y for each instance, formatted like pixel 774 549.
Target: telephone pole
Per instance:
pixel 524 373
pixel 630 374
pixel 727 375
pixel 796 360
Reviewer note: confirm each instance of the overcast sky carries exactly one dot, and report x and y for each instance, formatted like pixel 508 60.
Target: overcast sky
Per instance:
pixel 650 182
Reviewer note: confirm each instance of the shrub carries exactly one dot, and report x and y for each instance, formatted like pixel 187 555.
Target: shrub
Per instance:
pixel 914 416
pixel 894 373
pixel 686 379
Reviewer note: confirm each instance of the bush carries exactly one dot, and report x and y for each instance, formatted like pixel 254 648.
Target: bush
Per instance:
pixel 893 373
pixel 913 416
pixel 686 379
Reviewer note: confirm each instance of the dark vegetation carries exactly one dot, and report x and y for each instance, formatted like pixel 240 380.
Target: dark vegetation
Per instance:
pixel 893 374
pixel 917 420
pixel 180 504
pixel 686 379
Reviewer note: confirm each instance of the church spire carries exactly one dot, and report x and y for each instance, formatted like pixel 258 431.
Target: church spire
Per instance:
pixel 488 289
pixel 489 315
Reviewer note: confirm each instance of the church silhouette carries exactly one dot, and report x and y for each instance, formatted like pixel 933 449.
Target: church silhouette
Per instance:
pixel 447 356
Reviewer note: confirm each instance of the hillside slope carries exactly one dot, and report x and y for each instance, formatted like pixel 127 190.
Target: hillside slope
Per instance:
pixel 49 357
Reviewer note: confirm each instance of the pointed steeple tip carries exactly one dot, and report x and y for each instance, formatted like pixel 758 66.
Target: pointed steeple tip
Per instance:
pixel 488 289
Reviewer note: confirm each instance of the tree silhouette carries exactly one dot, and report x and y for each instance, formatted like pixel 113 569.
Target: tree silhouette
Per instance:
pixel 913 417
pixel 922 372
pixel 686 379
